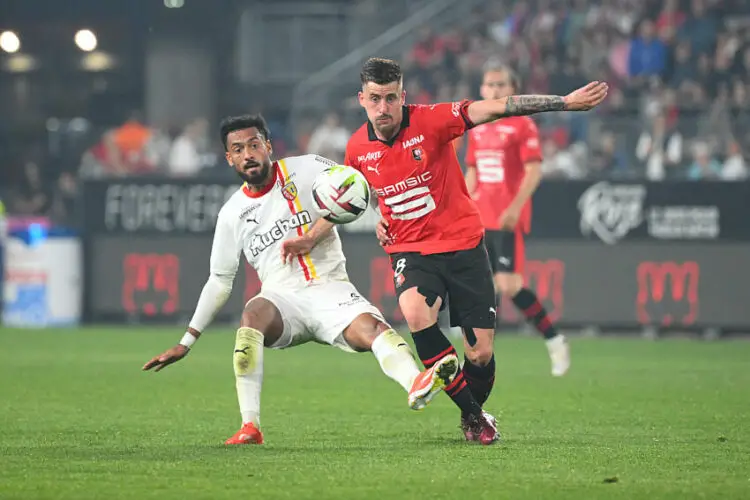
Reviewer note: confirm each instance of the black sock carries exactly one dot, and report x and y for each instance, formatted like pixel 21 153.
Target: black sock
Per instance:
pixel 480 379
pixel 526 301
pixel 431 346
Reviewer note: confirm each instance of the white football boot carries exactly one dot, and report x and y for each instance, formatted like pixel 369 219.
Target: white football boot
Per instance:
pixel 559 355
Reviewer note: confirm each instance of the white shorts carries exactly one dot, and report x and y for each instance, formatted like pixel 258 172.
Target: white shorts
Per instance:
pixel 318 313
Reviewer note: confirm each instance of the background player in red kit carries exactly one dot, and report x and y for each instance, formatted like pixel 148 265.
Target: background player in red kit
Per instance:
pixel 504 168
pixel 431 228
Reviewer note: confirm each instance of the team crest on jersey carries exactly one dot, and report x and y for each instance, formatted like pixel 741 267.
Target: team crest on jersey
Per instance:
pixel 417 153
pixel 289 190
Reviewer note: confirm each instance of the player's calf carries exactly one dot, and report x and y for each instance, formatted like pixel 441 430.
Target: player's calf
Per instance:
pixel 527 302
pixel 260 325
pixel 479 364
pixel 247 360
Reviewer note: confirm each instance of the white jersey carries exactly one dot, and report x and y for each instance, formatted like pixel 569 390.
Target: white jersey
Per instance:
pixel 256 224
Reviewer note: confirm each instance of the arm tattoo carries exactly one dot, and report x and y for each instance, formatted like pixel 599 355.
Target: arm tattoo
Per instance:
pixel 519 105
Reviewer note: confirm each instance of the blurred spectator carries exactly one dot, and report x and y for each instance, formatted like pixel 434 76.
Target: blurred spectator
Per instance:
pixel 96 161
pixel 741 66
pixel 463 91
pixel 705 166
pixel 126 146
pixel 734 168
pixel 503 26
pixel 187 156
pixel 670 16
pixel 648 55
pixel 659 149
pixel 683 68
pixel 329 138
pixel 446 93
pixel 700 28
pixel 594 51
pixel 32 196
pixel 65 199
pixel 427 53
pixel 159 147
pixel 538 82
pixel 559 163
pixel 607 159
pixel 416 94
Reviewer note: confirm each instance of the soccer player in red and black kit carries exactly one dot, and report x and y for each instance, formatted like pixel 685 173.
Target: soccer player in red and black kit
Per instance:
pixel 431 227
pixel 504 168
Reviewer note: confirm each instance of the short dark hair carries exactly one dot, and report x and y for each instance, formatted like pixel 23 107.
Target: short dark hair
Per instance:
pixel 492 67
pixel 380 71
pixel 233 123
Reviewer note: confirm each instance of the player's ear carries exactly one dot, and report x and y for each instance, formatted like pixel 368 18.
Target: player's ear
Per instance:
pixel 361 97
pixel 269 147
pixel 403 97
pixel 229 158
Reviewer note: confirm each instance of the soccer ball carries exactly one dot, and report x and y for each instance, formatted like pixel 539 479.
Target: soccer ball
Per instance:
pixel 340 194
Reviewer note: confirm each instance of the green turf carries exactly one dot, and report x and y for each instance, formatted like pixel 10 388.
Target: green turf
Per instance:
pixel 79 420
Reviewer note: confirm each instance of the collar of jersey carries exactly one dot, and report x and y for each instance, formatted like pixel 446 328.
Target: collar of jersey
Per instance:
pixel 404 123
pixel 265 190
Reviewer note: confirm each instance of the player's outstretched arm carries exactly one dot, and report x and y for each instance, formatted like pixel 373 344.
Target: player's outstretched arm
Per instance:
pixel 582 99
pixel 302 245
pixel 225 257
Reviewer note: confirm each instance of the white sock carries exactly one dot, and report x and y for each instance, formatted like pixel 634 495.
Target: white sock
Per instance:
pixel 395 358
pixel 248 370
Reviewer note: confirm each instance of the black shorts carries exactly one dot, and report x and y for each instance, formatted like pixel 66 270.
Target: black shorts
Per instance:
pixel 506 251
pixel 464 278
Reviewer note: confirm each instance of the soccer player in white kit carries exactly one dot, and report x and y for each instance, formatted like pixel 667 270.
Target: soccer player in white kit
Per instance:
pixel 306 294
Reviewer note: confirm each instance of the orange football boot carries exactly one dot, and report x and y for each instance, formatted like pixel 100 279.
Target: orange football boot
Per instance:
pixel 248 434
pixel 431 381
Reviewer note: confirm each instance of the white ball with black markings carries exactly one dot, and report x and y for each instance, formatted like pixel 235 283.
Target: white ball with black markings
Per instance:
pixel 340 194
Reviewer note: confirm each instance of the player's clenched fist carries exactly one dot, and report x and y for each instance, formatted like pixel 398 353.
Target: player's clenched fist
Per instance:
pixel 586 97
pixel 168 357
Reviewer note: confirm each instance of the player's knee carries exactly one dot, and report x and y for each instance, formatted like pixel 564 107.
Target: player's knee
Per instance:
pixel 362 332
pixel 262 315
pixel 419 310
pixel 508 284
pixel 360 341
pixel 479 355
pixel 419 318
pixel 251 318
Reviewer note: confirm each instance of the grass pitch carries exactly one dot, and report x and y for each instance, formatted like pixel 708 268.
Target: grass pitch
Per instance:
pixel 633 419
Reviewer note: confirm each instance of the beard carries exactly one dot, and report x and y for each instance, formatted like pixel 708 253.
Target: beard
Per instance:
pixel 257 179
